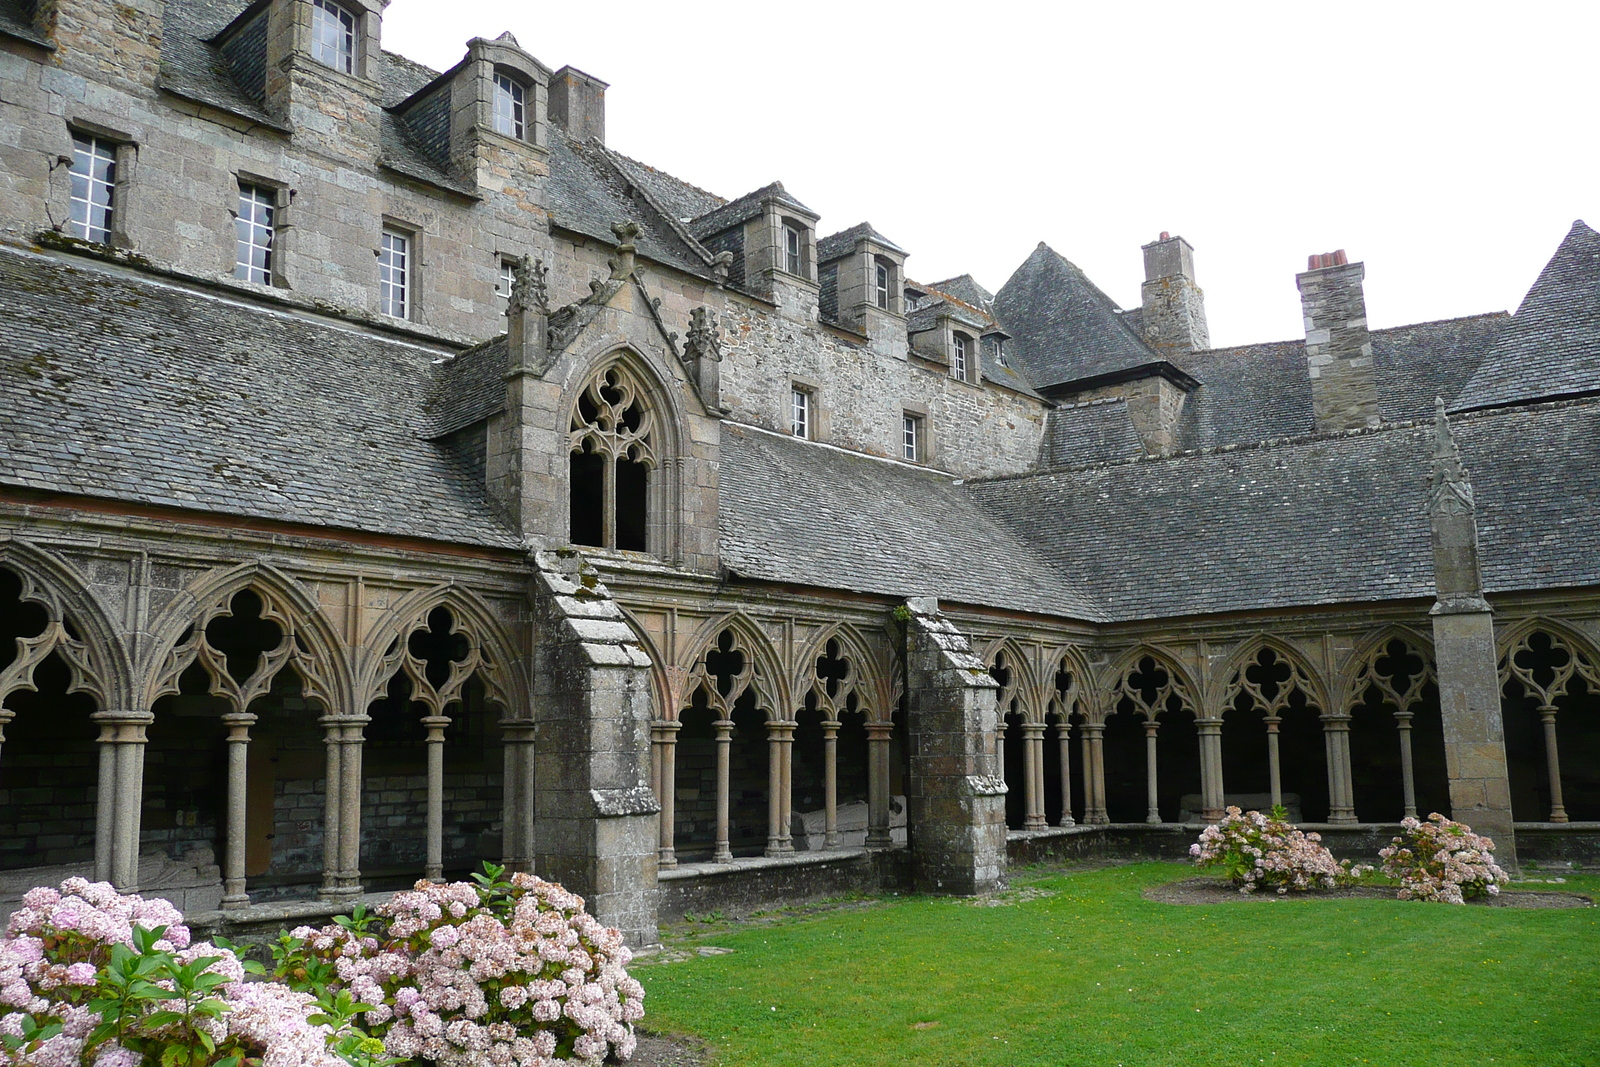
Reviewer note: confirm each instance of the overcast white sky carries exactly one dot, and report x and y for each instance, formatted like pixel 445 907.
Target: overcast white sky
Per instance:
pixel 1448 146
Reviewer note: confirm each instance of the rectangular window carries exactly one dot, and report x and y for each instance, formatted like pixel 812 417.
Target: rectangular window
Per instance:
pixel 333 36
pixel 958 362
pixel 800 407
pixel 793 261
pixel 94 181
pixel 508 276
pixel 911 436
pixel 394 274
pixel 509 105
pixel 253 230
pixel 883 286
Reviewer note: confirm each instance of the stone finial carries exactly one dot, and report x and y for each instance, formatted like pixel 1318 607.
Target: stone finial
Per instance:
pixel 721 265
pixel 1452 491
pixel 506 38
pixel 530 290
pixel 702 342
pixel 622 263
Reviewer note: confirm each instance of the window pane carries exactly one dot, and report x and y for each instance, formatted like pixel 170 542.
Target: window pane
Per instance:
pixel 509 101
pixel 394 274
pixel 253 233
pixel 333 36
pixel 801 422
pixel 94 177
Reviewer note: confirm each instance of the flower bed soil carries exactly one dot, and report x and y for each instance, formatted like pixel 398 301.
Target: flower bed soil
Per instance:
pixel 1212 891
pixel 657 1050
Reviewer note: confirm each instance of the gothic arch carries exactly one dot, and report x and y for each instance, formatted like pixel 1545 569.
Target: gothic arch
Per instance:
pixel 1024 685
pixel 1305 676
pixel 1180 680
pixel 873 686
pixel 1349 678
pixel 97 657
pixel 768 680
pixel 1588 655
pixel 1085 690
pixel 493 652
pixel 666 681
pixel 656 388
pixel 312 645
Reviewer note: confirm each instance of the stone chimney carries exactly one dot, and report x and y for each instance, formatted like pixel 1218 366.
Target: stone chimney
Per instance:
pixel 1173 309
pixel 578 104
pixel 1344 387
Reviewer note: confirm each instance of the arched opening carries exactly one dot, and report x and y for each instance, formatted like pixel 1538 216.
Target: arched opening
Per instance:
pixel 831 739
pixel 49 761
pixel 739 751
pixel 1123 751
pixel 613 457
pixel 695 784
pixel 1551 712
pixel 1396 717
pixel 1151 717
pixel 1273 747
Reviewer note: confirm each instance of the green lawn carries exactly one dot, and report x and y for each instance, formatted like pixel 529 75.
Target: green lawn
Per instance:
pixel 1093 974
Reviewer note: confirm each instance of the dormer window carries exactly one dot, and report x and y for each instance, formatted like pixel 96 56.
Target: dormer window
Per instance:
pixel 793 249
pixel 881 284
pixel 333 36
pixel 958 356
pixel 510 106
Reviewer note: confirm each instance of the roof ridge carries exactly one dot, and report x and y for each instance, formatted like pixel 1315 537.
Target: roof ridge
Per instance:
pixel 655 205
pixel 657 170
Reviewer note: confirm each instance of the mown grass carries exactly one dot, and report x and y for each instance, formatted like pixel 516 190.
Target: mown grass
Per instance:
pixel 1093 974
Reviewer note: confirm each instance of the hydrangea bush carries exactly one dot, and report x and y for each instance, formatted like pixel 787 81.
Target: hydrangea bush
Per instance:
pixel 492 972
pixel 1442 860
pixel 1259 851
pixel 92 978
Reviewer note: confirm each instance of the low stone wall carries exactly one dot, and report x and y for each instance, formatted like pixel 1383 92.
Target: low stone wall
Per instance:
pixel 1557 845
pixel 747 886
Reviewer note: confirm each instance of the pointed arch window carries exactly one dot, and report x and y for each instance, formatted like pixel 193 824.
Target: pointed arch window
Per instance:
pixel 613 459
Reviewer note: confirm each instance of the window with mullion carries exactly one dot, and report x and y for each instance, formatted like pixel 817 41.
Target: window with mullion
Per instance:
pixel 253 228
pixel 394 274
pixel 911 436
pixel 800 419
pixel 510 106
pixel 94 181
pixel 333 36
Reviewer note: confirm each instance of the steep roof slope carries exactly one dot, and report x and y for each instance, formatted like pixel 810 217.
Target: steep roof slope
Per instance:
pixel 128 388
pixel 1325 520
pixel 1065 328
pixel 1551 346
pixel 800 512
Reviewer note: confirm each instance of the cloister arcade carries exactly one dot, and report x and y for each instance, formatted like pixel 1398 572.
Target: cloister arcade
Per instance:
pixel 242 720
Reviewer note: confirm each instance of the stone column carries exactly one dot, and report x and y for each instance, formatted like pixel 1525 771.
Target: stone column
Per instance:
pixel 878 833
pixel 786 786
pixel 774 788
pixel 1274 767
pixel 332 740
pixel 1064 738
pixel 1408 774
pixel 1033 764
pixel 517 804
pixel 121 794
pixel 233 893
pixel 666 768
pixel 1094 774
pixel 1464 651
pixel 351 783
pixel 1212 791
pixel 955 795
pixel 1552 762
pixel 1150 728
pixel 830 783
pixel 1341 793
pixel 435 724
pixel 721 852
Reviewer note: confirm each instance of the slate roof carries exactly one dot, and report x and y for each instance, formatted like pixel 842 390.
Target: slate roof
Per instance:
pixel 467 388
pixel 964 287
pixel 195 69
pixel 124 387
pixel 1097 431
pixel 1255 392
pixel 1065 328
pixel 1551 347
pixel 16 22
pixel 746 207
pixel 685 201
pixel 1333 519
pixel 800 512
pixel 844 242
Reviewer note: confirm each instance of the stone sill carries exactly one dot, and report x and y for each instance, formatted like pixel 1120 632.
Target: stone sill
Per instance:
pixel 760 863
pixel 287 912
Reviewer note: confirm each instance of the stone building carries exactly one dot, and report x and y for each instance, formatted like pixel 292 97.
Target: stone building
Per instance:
pixel 393 476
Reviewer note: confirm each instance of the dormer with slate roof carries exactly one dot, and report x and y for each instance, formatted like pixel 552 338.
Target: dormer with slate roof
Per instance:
pixel 485 119
pixel 773 240
pixel 862 277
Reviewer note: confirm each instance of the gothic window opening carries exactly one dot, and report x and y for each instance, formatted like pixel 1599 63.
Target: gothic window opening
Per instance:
pixel 1273 750
pixel 1397 760
pixel 613 459
pixel 48 755
pixel 1063 789
pixel 830 769
pixel 1551 711
pixel 1013 763
pixel 1152 747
